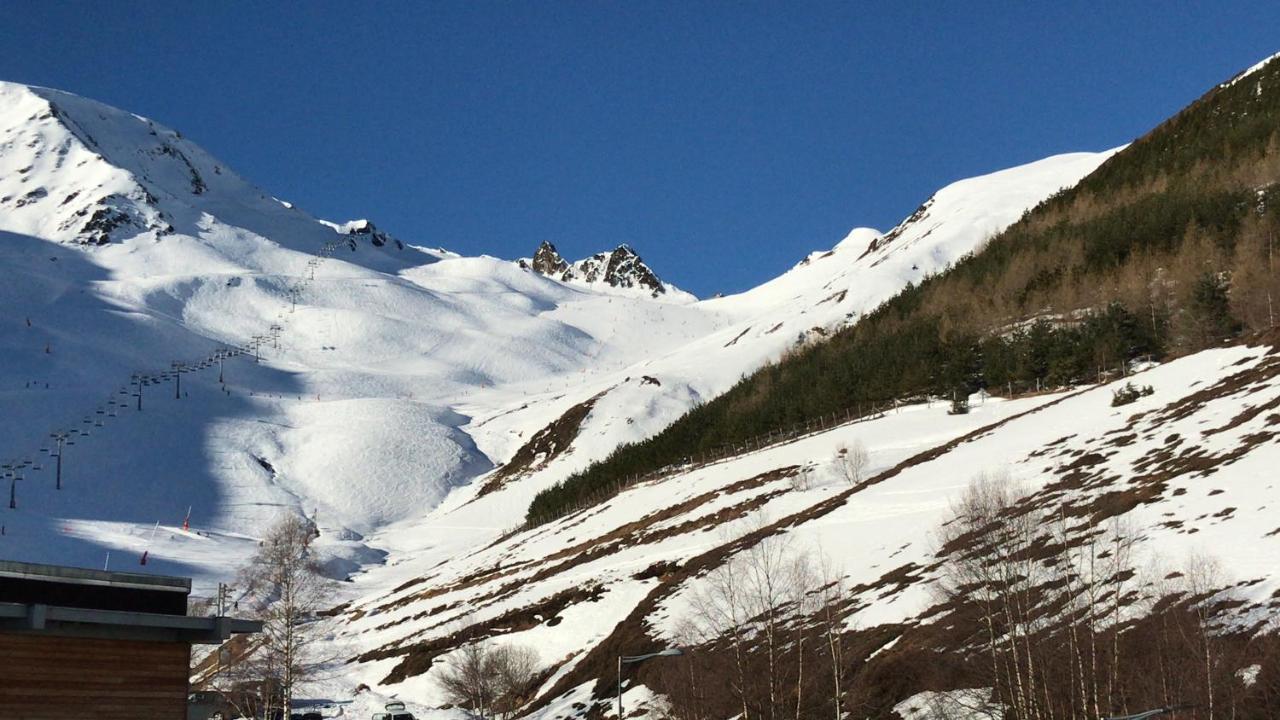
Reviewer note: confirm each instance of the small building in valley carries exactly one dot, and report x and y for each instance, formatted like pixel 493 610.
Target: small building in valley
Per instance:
pixel 77 644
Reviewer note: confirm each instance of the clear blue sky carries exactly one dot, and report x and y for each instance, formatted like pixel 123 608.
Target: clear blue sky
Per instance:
pixel 723 140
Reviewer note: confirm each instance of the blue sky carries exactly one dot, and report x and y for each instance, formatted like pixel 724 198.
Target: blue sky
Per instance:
pixel 722 140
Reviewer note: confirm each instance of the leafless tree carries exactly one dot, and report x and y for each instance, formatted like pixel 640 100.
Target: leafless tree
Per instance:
pixel 514 668
pixel 989 544
pixel 1203 579
pixel 851 462
pixel 830 597
pixel 720 613
pixel 492 681
pixel 285 587
pixel 757 603
pixel 802 479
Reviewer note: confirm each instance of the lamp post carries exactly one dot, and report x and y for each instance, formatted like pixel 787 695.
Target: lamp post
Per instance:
pixel 630 659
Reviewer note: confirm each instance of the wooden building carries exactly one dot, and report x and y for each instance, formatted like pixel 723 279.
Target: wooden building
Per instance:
pixel 91 645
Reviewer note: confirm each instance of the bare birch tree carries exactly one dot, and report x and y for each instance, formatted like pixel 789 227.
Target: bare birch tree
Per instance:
pixel 285 587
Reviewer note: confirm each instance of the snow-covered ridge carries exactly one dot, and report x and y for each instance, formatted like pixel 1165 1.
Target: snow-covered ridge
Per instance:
pixel 77 171
pixel 1249 71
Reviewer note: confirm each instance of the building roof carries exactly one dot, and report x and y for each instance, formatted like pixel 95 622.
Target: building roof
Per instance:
pixel 81 576
pixel 56 600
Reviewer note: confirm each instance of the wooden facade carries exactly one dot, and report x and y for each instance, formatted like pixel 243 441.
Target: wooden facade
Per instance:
pixel 81 644
pixel 57 678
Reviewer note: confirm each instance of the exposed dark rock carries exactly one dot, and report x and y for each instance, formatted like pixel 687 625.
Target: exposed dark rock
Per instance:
pixel 32 197
pixel 100 226
pixel 547 260
pixel 621 268
pixel 376 237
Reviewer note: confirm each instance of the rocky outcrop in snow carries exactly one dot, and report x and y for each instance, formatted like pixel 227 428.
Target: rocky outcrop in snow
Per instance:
pixel 365 229
pixel 620 268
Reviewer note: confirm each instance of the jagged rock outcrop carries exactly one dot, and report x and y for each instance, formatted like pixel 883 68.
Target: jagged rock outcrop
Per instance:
pixel 358 229
pixel 547 260
pixel 619 268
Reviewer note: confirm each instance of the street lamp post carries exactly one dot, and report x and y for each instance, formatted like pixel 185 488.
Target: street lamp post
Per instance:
pixel 630 659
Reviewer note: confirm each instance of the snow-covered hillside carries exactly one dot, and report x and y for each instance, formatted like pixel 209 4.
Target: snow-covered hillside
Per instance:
pixel 352 414
pixel 1189 465
pixel 822 293
pixel 410 400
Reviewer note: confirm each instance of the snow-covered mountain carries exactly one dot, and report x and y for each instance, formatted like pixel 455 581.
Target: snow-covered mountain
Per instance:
pixel 410 400
pixel 377 344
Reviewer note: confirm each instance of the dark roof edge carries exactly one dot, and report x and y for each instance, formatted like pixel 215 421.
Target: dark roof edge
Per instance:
pixel 54 620
pixel 81 576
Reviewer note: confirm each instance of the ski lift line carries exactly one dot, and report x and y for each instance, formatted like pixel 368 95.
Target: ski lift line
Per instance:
pixel 140 379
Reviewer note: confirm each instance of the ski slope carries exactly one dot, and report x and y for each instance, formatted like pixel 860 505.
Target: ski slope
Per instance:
pixel 351 416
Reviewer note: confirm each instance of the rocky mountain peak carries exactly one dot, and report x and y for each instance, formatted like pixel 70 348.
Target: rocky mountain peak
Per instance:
pixel 547 260
pixel 619 268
